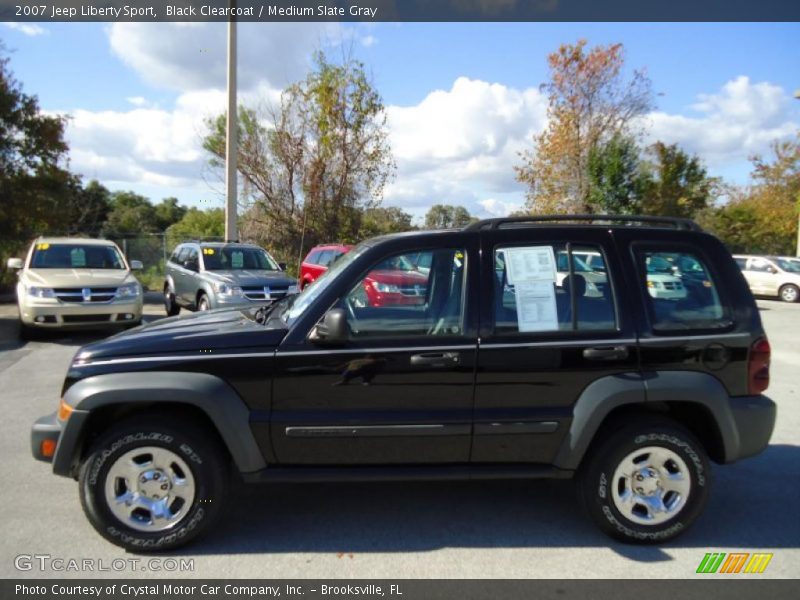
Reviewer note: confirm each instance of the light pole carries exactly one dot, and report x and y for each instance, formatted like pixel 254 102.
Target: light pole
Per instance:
pixel 797 249
pixel 231 141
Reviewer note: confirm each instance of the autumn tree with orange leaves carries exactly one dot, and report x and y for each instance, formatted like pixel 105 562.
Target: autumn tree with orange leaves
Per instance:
pixel 591 101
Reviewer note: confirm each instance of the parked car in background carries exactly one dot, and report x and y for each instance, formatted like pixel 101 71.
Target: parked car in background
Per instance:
pixel 771 276
pixel 396 281
pixel 661 281
pixel 204 275
pixel 73 282
pixel 318 260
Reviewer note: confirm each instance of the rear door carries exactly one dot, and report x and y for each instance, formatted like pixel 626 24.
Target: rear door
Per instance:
pixel 546 334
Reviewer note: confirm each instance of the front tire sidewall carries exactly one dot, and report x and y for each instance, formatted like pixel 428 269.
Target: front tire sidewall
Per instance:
pixel 206 467
pixel 597 479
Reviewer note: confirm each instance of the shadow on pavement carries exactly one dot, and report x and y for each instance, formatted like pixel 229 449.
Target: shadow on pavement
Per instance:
pixel 751 506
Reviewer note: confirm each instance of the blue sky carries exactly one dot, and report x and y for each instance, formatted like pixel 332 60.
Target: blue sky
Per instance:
pixel 462 98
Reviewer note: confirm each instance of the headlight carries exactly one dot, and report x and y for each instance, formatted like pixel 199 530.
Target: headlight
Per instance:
pixel 653 284
pixel 228 290
pixel 293 289
pixel 129 290
pixel 41 292
pixel 386 288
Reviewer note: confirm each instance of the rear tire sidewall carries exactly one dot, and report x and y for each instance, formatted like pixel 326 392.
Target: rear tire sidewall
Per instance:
pixel 596 479
pixel 789 293
pixel 205 460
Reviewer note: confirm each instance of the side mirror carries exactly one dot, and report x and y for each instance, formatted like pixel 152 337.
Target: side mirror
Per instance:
pixel 136 265
pixel 15 263
pixel 771 269
pixel 282 266
pixel 332 329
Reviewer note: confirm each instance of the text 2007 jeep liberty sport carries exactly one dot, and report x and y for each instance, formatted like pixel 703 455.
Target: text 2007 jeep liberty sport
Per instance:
pixel 517 363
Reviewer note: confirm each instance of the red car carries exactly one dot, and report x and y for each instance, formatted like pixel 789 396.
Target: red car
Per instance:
pixel 395 281
pixel 318 260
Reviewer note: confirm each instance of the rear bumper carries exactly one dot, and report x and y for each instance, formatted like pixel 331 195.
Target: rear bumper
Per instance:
pixel 754 418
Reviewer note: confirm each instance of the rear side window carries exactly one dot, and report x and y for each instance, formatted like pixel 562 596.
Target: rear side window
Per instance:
pixel 313 258
pixel 325 258
pixel 681 293
pixel 550 288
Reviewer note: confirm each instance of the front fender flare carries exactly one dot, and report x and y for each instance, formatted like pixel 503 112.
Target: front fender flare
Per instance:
pixel 223 406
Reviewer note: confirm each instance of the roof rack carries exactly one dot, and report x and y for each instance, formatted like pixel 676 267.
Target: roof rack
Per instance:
pixel 676 222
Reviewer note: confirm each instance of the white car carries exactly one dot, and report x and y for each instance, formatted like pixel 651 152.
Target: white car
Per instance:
pixel 72 282
pixel 661 283
pixel 771 276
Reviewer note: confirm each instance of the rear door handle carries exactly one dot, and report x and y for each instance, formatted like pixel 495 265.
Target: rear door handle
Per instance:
pixel 606 353
pixel 435 359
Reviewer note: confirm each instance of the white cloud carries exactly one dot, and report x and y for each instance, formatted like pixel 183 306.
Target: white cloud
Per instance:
pixel 739 120
pixel 30 29
pixel 192 56
pixel 137 100
pixel 368 41
pixel 456 146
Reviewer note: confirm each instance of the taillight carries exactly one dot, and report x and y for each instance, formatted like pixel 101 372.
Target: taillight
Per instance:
pixel 758 366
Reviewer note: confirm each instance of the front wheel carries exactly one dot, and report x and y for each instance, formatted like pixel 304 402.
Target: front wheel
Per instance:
pixel 202 302
pixel 148 486
pixel 170 303
pixel 790 293
pixel 647 482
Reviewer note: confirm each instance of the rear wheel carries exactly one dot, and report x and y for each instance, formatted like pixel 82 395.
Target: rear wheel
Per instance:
pixel 147 485
pixel 789 293
pixel 647 482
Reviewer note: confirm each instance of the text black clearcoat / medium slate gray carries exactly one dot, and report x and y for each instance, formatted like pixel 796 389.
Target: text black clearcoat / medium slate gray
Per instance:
pixel 487 404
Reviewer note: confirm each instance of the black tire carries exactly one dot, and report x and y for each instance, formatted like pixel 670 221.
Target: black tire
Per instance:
pixel 596 484
pixel 170 305
pixel 789 293
pixel 202 302
pixel 207 463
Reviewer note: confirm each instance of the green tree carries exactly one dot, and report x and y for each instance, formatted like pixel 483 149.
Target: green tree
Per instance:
pixel 591 100
pixel 762 218
pixel 168 212
pixel 130 214
pixel 382 220
pixel 616 180
pixel 675 184
pixel 312 164
pixel 447 216
pixel 197 224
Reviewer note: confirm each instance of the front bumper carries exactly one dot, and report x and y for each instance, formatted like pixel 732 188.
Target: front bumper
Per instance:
pixel 67 437
pixel 754 419
pixel 52 313
pixel 45 429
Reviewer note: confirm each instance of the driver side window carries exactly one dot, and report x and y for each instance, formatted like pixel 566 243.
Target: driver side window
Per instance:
pixel 411 294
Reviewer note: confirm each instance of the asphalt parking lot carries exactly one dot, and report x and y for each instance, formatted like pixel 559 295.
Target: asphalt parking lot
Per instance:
pixel 401 530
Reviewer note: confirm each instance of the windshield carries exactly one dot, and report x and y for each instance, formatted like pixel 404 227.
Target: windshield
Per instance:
pixel 302 301
pixel 76 256
pixel 792 266
pixel 578 265
pixel 233 258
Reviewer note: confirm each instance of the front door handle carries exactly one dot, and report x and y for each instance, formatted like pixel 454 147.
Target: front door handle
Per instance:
pixel 606 353
pixel 435 359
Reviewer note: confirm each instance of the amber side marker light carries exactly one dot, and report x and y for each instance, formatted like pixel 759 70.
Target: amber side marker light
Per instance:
pixel 48 448
pixel 64 410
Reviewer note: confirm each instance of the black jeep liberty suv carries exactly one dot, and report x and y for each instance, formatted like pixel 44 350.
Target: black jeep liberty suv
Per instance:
pixel 513 359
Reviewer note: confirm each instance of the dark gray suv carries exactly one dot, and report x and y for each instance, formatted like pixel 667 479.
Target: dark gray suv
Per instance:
pixel 202 276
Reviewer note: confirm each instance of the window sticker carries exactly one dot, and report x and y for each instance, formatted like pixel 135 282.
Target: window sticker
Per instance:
pixel 237 260
pixel 531 263
pixel 77 257
pixel 208 251
pixel 536 306
pixel 43 246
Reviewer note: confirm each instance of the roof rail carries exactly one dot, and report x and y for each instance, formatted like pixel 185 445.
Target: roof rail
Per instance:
pixel 676 222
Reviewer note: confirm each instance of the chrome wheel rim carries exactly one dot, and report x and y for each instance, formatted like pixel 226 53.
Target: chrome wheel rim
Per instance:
pixel 150 489
pixel 789 294
pixel 203 304
pixel 651 485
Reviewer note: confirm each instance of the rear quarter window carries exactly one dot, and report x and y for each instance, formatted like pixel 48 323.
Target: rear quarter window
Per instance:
pixel 681 290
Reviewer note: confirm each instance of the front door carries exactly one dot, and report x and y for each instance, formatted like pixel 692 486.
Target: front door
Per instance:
pixel 399 390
